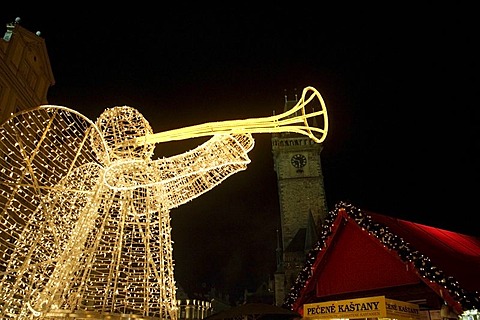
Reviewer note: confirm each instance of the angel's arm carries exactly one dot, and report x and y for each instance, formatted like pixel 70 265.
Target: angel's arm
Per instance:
pixel 205 167
pixel 181 178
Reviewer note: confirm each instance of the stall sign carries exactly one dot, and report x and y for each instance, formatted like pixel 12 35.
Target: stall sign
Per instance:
pixel 371 307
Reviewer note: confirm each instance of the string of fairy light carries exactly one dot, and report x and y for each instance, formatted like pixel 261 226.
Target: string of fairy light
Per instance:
pixel 470 301
pixel 84 210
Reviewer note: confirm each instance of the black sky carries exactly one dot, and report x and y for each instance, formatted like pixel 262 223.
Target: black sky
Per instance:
pixel 398 84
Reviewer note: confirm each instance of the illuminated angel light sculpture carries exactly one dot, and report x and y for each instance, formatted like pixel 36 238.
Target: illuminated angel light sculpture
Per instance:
pixel 85 211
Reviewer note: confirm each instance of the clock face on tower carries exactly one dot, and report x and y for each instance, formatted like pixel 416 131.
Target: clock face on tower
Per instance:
pixel 298 161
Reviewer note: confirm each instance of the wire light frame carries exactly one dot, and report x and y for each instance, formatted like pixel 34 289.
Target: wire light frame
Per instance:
pixel 85 210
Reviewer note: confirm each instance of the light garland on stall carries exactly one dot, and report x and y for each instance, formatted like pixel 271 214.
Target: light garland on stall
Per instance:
pixel 84 210
pixel 470 301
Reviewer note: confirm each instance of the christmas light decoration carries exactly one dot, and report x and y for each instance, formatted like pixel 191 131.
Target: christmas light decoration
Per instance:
pixel 84 210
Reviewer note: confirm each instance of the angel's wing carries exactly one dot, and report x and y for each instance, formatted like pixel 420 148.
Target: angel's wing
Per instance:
pixel 48 169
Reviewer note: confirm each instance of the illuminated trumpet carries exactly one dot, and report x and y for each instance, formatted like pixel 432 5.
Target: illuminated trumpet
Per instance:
pixel 289 121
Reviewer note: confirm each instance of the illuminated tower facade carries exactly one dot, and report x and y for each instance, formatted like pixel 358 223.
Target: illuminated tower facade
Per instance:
pixel 26 73
pixel 303 206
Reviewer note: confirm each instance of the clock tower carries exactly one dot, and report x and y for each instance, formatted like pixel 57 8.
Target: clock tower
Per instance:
pixel 303 206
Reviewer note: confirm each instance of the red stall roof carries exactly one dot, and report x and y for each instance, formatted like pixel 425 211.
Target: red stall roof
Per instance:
pixel 362 251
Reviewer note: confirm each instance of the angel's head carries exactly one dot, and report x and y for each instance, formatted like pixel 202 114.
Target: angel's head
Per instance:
pixel 119 127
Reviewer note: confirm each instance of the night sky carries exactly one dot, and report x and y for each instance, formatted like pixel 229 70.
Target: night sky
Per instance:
pixel 398 84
